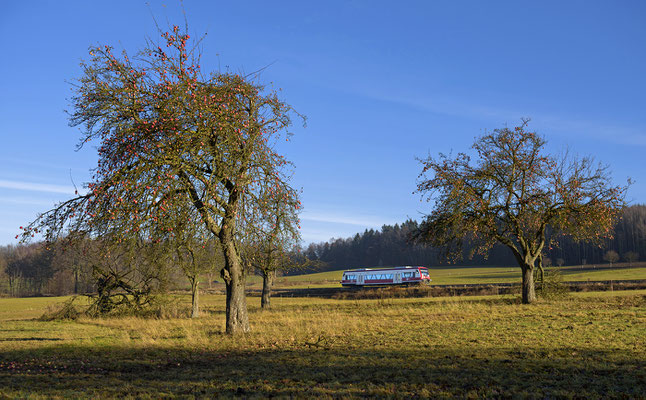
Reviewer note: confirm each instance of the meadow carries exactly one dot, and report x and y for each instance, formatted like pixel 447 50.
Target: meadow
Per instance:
pixel 456 275
pixel 586 345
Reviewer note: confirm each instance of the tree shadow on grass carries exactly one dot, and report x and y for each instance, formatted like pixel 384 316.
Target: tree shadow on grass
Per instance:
pixel 63 371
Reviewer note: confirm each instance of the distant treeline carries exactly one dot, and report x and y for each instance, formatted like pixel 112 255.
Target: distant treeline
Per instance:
pixel 56 269
pixel 392 246
pixel 34 269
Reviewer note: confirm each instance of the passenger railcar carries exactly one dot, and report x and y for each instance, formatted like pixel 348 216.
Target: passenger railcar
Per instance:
pixel 385 276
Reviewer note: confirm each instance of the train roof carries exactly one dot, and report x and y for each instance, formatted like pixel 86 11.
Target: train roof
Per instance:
pixel 386 269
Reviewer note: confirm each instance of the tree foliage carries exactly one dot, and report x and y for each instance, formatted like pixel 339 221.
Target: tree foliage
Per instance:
pixel 172 139
pixel 511 194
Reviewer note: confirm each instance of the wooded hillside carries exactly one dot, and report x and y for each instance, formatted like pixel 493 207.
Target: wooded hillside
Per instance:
pixel 392 246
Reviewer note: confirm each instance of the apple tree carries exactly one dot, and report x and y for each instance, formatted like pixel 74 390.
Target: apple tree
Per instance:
pixel 173 140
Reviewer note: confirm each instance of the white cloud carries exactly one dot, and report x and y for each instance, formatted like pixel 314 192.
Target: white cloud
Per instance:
pixel 36 187
pixel 314 236
pixel 546 122
pixel 357 220
pixel 25 201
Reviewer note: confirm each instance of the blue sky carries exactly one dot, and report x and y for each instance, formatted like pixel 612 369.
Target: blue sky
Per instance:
pixel 381 83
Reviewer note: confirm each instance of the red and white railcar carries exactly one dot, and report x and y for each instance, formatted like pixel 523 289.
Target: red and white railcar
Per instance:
pixel 385 276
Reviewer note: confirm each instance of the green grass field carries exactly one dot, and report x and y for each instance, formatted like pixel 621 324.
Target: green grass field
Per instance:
pixel 471 275
pixel 589 345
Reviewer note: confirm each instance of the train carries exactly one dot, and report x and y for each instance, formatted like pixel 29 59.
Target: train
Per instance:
pixel 406 275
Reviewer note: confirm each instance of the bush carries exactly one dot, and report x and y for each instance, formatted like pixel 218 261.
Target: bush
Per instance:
pixel 66 311
pixel 552 287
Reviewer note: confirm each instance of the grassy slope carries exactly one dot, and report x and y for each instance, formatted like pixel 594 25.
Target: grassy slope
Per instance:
pixel 586 346
pixel 468 275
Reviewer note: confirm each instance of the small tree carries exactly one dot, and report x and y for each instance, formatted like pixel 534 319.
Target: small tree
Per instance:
pixel 171 138
pixel 192 255
pixel 511 194
pixel 271 239
pixel 631 257
pixel 188 258
pixel 611 256
pixel 560 262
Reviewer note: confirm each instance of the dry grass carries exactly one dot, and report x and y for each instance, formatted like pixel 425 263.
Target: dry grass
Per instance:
pixel 585 346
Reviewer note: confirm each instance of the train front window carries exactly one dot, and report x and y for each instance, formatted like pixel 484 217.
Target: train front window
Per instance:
pixel 425 273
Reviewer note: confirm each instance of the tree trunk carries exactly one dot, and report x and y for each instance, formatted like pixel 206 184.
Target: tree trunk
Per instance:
pixel 195 293
pixel 76 281
pixel 237 319
pixel 267 283
pixel 528 290
pixel 234 277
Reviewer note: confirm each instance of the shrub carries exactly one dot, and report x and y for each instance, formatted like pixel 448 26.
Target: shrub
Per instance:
pixel 552 287
pixel 66 311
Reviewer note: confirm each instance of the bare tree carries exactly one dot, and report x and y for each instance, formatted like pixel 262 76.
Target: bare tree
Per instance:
pixel 270 242
pixel 631 257
pixel 611 256
pixel 511 194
